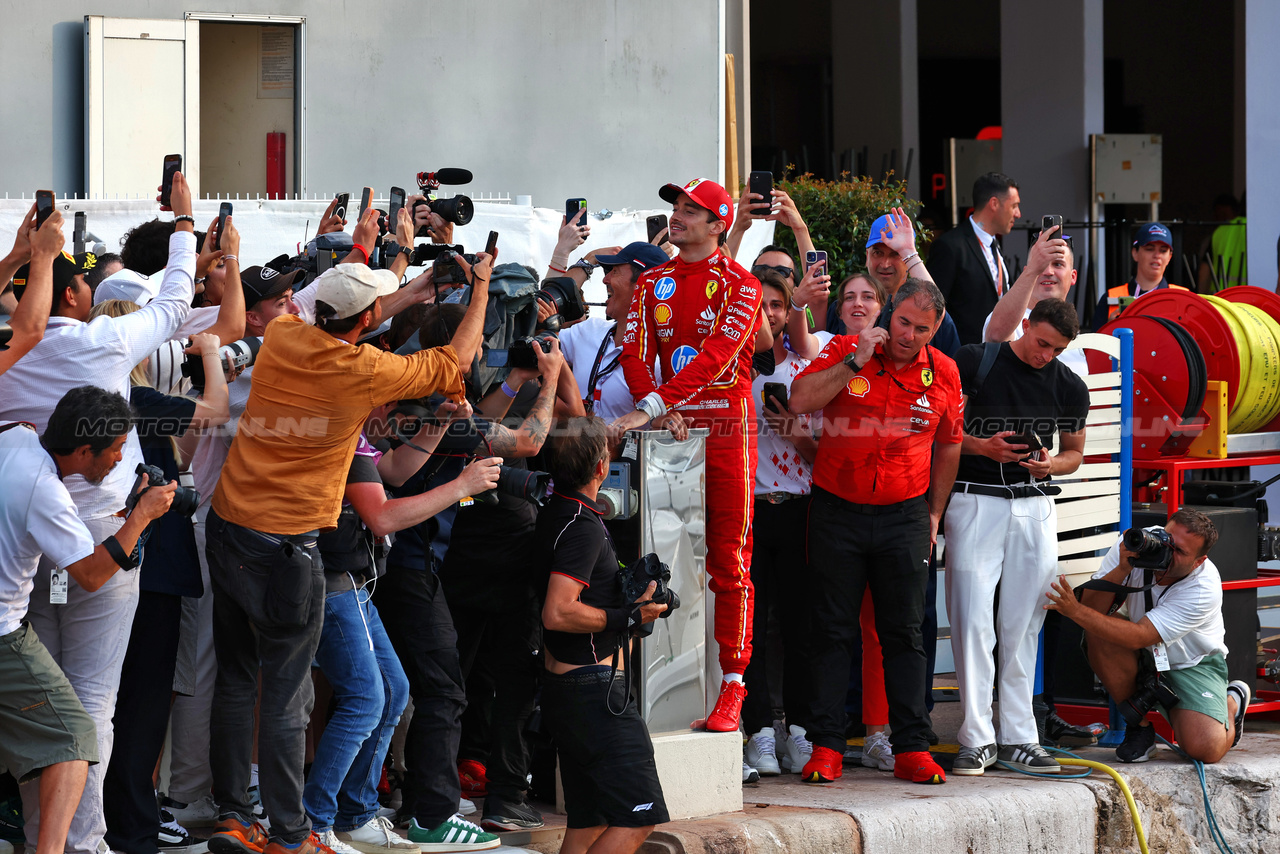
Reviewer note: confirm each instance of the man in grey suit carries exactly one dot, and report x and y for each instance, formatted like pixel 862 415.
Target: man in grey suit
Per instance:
pixel 966 263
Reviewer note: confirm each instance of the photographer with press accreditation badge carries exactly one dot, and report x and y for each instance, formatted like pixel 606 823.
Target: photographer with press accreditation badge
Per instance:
pixel 611 789
pixel 1169 653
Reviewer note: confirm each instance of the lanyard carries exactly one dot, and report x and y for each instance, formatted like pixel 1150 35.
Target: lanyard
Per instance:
pixel 884 369
pixel 598 375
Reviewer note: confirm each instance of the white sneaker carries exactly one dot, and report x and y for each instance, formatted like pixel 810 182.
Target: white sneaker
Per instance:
pixel 376 836
pixel 762 753
pixel 330 839
pixel 201 813
pixel 877 752
pixel 749 774
pixel 796 751
pixel 466 807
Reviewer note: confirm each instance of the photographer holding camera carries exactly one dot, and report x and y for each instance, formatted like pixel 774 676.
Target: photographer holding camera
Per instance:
pixel 611 789
pixel 1170 651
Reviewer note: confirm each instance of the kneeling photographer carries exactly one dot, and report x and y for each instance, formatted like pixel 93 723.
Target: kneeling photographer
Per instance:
pixel 611 789
pixel 1169 652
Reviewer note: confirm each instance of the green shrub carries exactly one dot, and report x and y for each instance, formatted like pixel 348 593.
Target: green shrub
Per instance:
pixel 839 215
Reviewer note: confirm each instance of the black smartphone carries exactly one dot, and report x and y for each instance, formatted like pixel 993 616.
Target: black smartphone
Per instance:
pixel 366 196
pixel 762 183
pixel 1031 440
pixel 393 209
pixel 816 258
pixel 224 211
pixel 44 206
pixel 655 224
pixel 172 164
pixel 571 208
pixel 771 391
pixel 1048 221
pixel 491 246
pixel 340 209
pixel 77 235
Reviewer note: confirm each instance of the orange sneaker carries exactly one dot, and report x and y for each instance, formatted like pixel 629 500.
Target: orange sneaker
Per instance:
pixel 918 767
pixel 728 710
pixel 310 845
pixel 824 766
pixel 474 778
pixel 232 836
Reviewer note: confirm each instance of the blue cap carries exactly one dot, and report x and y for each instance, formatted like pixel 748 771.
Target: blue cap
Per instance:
pixel 643 255
pixel 882 223
pixel 1153 232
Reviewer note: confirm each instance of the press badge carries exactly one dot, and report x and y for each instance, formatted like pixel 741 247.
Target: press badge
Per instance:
pixel 57 587
pixel 1161 656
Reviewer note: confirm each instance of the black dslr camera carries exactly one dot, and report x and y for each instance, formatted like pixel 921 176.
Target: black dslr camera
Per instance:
pixel 1152 549
pixel 185 499
pixel 531 486
pixel 562 293
pixel 445 269
pixel 634 580
pixel 1153 690
pixel 458 210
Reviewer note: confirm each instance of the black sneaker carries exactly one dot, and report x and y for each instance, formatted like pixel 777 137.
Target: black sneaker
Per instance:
pixel 1242 692
pixel 500 814
pixel 174 837
pixel 1139 743
pixel 11 820
pixel 1028 757
pixel 1059 733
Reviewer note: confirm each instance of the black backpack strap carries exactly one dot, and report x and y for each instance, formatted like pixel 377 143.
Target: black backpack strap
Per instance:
pixel 990 351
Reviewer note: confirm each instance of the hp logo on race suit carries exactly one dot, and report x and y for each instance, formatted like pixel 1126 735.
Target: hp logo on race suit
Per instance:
pixel 683 355
pixel 664 288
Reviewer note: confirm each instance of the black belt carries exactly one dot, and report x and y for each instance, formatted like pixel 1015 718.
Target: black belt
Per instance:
pixel 864 509
pixel 1016 490
pixel 778 497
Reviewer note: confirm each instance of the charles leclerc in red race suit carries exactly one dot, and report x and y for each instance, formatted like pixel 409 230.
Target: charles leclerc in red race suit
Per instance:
pixel 698 321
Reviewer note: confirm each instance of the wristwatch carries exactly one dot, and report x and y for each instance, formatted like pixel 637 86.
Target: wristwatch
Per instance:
pixel 586 266
pixel 851 362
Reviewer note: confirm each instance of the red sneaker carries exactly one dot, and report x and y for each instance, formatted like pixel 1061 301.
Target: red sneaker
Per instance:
pixel 474 780
pixel 724 717
pixel 918 767
pixel 825 766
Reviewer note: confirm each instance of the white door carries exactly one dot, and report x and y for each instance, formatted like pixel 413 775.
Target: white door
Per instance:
pixel 142 101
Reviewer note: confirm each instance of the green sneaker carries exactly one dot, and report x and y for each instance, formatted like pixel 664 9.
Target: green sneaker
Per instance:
pixel 456 834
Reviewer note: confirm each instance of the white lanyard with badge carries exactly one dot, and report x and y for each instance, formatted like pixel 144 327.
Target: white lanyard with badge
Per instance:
pixel 58 583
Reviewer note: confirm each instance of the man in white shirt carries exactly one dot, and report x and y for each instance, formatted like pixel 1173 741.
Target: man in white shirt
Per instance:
pixel 88 635
pixel 47 740
pixel 1173 638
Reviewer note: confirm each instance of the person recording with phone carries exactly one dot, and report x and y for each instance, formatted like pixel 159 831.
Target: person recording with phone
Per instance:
pixel 37 248
pixel 1170 652
pixel 611 790
pixel 84 635
pixel 1002 528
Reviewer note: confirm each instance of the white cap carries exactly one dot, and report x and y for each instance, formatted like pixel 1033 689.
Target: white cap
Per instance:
pixel 127 285
pixel 351 288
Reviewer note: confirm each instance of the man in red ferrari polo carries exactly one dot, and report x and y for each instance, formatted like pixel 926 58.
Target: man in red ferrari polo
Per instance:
pixel 892 423
pixel 696 319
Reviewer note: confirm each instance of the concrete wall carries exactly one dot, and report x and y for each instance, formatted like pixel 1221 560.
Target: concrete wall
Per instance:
pixel 607 100
pixel 1262 135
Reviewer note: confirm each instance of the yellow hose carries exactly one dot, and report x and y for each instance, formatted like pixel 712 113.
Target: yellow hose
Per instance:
pixel 1256 401
pixel 1124 787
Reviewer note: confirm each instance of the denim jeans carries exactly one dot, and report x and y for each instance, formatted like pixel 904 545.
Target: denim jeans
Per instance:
pixel 370 691
pixel 268 606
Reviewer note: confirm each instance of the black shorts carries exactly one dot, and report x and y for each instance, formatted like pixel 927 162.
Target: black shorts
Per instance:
pixel 606 761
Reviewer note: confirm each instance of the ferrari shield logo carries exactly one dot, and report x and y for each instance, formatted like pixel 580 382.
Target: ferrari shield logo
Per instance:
pixel 926 377
pixel 712 287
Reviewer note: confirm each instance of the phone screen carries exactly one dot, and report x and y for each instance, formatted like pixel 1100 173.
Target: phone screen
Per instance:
pixel 393 210
pixel 571 208
pixel 656 224
pixel 172 164
pixel 224 211
pixel 44 206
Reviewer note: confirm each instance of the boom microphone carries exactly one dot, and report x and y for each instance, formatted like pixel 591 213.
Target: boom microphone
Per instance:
pixel 446 176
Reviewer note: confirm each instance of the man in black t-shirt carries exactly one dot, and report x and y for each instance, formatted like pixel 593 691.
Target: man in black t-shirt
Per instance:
pixel 1001 527
pixel 611 789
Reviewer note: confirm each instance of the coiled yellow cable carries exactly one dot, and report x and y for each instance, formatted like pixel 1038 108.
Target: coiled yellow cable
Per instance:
pixel 1124 787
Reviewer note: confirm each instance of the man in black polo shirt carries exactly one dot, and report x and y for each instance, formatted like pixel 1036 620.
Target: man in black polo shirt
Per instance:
pixel 1001 527
pixel 611 789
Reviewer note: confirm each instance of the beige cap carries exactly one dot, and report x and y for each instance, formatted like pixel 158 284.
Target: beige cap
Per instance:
pixel 351 288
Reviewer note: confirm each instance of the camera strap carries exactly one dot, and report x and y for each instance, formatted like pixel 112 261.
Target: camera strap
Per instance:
pixel 597 373
pixel 1123 592
pixel 626 648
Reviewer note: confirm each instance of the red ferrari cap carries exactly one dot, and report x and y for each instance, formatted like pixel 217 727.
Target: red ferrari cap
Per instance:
pixel 707 194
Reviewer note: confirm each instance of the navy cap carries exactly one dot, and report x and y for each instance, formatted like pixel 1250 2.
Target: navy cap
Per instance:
pixel 643 255
pixel 1153 232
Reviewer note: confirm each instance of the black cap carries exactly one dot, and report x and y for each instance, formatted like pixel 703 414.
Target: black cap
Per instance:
pixel 261 283
pixel 65 268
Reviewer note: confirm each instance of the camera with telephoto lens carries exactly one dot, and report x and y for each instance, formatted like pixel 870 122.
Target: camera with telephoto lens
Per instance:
pixel 531 486
pixel 1154 690
pixel 458 210
pixel 634 580
pixel 563 295
pixel 185 499
pixel 1151 549
pixel 238 354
